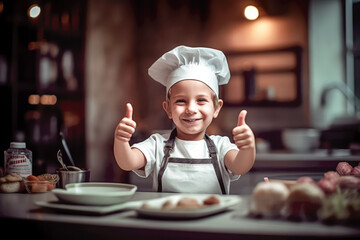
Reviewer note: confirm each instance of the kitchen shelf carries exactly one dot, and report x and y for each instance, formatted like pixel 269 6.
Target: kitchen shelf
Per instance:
pixel 258 77
pixel 26 62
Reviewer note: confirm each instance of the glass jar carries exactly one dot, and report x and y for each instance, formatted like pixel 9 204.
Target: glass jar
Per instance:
pixel 18 159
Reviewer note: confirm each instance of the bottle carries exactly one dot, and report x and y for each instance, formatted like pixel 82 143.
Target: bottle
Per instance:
pixel 18 159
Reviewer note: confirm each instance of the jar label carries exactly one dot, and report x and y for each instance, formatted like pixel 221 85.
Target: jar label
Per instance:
pixel 19 164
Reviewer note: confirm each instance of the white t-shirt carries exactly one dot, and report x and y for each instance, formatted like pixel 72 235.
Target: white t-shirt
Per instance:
pixel 153 150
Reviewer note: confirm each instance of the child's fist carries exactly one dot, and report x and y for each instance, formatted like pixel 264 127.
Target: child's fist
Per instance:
pixel 243 136
pixel 126 126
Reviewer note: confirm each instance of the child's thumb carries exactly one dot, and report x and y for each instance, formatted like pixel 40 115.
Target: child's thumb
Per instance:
pixel 129 111
pixel 241 118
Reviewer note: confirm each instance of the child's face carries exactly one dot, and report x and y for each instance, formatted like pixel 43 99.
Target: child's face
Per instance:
pixel 191 107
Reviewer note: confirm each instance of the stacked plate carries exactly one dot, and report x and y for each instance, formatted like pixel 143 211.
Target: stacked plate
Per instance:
pixel 93 198
pixel 91 193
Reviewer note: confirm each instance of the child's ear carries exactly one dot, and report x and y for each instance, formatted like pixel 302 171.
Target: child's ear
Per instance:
pixel 218 108
pixel 166 109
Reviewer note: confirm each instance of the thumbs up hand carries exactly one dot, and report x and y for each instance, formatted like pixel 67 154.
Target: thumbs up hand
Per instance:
pixel 126 126
pixel 243 135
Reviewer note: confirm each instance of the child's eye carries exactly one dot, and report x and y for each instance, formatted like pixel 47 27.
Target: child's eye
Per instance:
pixel 202 100
pixel 180 101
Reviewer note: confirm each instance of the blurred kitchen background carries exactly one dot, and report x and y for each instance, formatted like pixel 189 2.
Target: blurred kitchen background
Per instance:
pixel 72 65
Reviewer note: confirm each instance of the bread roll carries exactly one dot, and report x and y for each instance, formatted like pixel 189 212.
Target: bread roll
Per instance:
pixel 11 183
pixel 211 200
pixel 12 177
pixel 188 203
pixel 12 187
pixel 168 205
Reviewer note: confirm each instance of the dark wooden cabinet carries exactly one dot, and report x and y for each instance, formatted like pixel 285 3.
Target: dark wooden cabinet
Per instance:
pixel 265 77
pixel 42 78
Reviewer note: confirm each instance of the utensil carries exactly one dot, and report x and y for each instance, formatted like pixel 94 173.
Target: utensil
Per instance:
pixel 77 176
pixel 59 158
pixel 63 141
pixel 73 168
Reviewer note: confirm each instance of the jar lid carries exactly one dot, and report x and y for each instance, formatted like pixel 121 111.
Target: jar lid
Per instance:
pixel 17 145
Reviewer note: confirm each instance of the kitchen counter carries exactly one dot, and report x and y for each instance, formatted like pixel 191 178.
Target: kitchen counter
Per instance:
pixel 317 160
pixel 278 165
pixel 19 211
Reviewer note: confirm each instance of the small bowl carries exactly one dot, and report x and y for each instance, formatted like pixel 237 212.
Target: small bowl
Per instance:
pixel 301 140
pixel 40 186
pixel 67 177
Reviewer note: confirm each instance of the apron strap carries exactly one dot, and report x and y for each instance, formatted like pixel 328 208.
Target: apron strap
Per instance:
pixel 168 148
pixel 215 162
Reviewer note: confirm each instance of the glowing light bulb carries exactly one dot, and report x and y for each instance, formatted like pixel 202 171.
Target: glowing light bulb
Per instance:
pixel 34 11
pixel 52 100
pixel 251 12
pixel 34 99
pixel 48 99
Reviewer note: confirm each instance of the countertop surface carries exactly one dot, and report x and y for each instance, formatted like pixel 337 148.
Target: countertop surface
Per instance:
pixel 320 154
pixel 19 209
pixel 318 159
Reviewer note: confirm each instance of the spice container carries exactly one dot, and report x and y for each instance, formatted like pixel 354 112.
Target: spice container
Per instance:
pixel 18 159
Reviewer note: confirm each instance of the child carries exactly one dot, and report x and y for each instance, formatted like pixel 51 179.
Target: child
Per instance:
pixel 188 160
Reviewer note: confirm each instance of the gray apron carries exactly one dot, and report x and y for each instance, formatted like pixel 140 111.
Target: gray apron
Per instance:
pixel 168 148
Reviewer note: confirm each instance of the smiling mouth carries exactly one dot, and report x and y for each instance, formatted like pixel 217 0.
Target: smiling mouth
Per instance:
pixel 192 120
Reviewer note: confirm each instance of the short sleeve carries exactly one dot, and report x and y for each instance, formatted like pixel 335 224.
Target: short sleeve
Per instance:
pixel 149 149
pixel 223 146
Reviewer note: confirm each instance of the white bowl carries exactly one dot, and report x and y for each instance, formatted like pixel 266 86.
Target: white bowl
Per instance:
pixel 301 140
pixel 92 193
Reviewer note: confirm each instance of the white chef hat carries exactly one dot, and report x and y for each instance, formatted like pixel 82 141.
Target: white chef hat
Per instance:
pixel 182 63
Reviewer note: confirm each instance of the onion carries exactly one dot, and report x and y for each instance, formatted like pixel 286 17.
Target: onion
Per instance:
pixel 269 198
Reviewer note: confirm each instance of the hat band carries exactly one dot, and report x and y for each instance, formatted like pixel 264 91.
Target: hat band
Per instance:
pixel 194 72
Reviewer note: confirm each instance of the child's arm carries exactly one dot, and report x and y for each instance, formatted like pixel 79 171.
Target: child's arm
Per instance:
pixel 240 162
pixel 126 157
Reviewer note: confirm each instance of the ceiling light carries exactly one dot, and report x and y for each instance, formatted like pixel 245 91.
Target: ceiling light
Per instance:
pixel 34 11
pixel 251 12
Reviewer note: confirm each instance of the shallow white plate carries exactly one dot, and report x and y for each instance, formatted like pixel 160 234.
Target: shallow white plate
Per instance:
pixel 89 209
pixel 154 207
pixel 226 202
pixel 92 193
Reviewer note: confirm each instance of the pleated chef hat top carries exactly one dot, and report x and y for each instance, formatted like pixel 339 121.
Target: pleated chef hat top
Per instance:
pixel 186 63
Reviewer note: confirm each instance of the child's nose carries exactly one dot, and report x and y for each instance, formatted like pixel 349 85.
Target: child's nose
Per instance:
pixel 191 108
